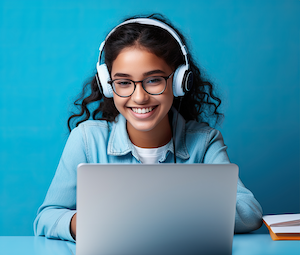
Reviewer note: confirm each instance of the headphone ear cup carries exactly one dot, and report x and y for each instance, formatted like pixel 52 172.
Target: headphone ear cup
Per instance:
pixel 178 80
pixel 182 81
pixel 104 77
pixel 188 80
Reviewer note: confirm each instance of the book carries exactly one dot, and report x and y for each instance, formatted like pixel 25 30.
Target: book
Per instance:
pixel 283 226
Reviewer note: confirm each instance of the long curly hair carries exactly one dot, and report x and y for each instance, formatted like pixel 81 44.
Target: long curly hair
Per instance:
pixel 200 103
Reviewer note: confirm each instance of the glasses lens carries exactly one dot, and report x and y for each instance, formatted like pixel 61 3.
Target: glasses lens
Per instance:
pixel 155 85
pixel 123 87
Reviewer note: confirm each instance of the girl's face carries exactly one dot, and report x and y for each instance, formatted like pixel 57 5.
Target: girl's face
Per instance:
pixel 136 64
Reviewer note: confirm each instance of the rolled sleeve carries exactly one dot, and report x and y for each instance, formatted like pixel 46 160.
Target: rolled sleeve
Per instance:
pixel 248 215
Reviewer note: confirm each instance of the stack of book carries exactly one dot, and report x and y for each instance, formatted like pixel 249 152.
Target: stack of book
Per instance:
pixel 283 226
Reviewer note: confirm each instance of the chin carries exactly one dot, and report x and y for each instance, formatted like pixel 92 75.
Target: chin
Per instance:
pixel 143 128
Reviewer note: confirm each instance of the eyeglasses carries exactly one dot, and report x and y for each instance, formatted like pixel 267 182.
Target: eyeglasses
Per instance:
pixel 154 85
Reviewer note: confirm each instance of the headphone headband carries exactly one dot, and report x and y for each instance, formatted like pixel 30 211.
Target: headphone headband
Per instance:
pixel 183 77
pixel 153 22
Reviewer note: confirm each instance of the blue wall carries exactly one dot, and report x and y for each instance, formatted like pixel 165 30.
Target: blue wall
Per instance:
pixel 250 49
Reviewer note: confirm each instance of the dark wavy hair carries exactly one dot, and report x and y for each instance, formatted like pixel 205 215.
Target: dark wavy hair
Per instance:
pixel 200 103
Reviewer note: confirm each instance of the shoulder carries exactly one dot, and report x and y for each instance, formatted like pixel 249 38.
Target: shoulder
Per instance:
pixel 94 123
pixel 92 126
pixel 204 143
pixel 202 131
pixel 193 126
pixel 90 129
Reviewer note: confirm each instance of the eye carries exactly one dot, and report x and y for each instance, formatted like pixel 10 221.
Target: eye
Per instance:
pixel 122 83
pixel 154 80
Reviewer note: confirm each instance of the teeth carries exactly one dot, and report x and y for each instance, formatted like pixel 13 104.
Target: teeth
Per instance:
pixel 142 110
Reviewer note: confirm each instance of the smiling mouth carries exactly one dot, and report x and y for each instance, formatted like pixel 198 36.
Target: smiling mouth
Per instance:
pixel 143 110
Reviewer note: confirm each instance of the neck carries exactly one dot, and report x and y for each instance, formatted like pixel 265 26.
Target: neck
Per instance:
pixel 154 138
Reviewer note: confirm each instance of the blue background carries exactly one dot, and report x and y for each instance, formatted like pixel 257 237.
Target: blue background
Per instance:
pixel 250 49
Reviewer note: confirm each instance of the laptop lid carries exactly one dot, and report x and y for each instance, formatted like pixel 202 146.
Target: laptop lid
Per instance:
pixel 161 209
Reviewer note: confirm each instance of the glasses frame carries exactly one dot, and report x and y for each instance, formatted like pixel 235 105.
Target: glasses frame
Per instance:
pixel 142 82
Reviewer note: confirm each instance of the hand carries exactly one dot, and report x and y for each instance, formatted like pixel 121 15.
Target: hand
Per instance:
pixel 73 226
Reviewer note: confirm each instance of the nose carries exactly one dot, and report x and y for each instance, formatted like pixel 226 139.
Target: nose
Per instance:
pixel 139 96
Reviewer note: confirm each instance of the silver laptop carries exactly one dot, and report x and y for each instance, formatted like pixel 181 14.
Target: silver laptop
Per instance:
pixel 160 209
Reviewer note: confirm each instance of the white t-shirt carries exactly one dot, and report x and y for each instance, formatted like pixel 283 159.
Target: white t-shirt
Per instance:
pixel 150 155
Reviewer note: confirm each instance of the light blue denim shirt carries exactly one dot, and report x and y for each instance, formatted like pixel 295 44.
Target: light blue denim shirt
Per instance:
pixel 95 141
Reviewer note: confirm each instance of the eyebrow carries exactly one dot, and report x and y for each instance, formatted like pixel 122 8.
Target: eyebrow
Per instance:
pixel 154 72
pixel 144 74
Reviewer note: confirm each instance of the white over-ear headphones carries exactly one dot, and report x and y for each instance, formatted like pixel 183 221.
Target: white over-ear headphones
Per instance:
pixel 183 76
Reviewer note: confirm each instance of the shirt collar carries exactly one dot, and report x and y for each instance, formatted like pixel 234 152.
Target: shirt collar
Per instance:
pixel 120 144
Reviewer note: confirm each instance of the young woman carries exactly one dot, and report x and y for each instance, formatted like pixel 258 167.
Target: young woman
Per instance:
pixel 152 106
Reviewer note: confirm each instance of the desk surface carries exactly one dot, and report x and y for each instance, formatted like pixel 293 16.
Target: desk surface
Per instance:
pixel 242 245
